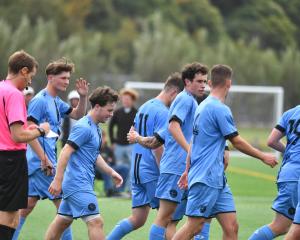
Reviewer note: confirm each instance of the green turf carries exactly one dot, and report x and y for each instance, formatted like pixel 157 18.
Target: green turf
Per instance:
pixel 253 197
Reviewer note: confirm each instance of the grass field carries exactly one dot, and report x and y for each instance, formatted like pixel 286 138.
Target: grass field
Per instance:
pixel 252 183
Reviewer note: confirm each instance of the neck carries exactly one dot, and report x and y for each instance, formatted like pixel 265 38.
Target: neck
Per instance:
pixel 162 96
pixel 51 90
pixel 219 93
pixel 93 116
pixel 14 79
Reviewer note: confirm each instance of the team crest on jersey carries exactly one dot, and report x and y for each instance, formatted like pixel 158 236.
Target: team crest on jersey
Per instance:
pixel 173 193
pixel 92 207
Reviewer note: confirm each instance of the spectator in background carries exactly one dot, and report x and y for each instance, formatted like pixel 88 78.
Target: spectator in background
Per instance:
pixel 73 98
pixel 109 157
pixel 28 94
pixel 123 119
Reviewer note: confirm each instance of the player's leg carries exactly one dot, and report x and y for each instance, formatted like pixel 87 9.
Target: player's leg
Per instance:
pixel 32 201
pixel 229 224
pixel 284 205
pixel 192 226
pixel 204 233
pixel 142 199
pixel 67 234
pixel 58 226
pixel 8 224
pixel 95 227
pixel 225 211
pixel 294 232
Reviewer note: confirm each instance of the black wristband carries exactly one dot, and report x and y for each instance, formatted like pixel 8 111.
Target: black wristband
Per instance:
pixel 42 131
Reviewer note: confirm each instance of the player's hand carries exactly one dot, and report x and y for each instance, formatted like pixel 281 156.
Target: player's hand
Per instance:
pixel 55 187
pixel 118 180
pixel 270 160
pixel 46 127
pixel 183 181
pixel 82 87
pixel 132 135
pixel 47 166
pixel 226 159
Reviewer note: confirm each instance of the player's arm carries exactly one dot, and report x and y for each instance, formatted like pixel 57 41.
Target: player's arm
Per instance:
pixel 82 89
pixel 147 142
pixel 101 164
pixel 46 165
pixel 274 140
pixel 243 146
pixel 158 153
pixel 21 135
pixel 226 157
pixel 183 181
pixel 55 186
pixel 175 130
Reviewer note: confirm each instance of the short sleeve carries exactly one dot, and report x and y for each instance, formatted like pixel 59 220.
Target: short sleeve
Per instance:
pixel 36 110
pixel 161 135
pixel 181 109
pixel 15 108
pixel 79 135
pixel 160 122
pixel 282 124
pixel 64 108
pixel 225 122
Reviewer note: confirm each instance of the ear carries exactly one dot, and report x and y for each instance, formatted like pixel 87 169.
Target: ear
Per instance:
pixel 209 83
pixel 24 70
pixel 228 83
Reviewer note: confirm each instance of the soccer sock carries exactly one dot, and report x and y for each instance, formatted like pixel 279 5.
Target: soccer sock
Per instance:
pixel 6 233
pixel 18 230
pixel 263 233
pixel 204 234
pixel 120 230
pixel 157 232
pixel 67 234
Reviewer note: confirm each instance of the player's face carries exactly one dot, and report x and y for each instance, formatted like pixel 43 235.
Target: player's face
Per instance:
pixel 106 112
pixel 60 81
pixel 197 86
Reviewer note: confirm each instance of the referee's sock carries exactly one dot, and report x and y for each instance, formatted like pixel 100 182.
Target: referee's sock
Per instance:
pixel 120 230
pixel 18 229
pixel 6 233
pixel 157 232
pixel 263 233
pixel 204 234
pixel 67 234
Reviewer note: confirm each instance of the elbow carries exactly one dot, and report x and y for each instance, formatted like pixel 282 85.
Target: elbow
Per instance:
pixel 270 143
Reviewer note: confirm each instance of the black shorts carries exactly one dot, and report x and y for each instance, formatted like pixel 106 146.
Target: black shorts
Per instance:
pixel 13 180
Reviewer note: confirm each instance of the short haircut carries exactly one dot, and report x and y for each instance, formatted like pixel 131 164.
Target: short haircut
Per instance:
pixel 190 70
pixel 174 81
pixel 219 74
pixel 102 96
pixel 19 60
pixel 59 66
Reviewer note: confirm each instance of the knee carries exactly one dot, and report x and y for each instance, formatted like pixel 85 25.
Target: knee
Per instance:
pixel 231 229
pixel 96 223
pixel 137 222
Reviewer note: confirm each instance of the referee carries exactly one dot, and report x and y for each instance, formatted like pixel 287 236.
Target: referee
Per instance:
pixel 14 136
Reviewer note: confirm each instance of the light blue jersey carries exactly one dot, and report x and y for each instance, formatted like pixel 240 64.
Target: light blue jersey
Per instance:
pixel 151 118
pixel 213 124
pixel 289 125
pixel 85 138
pixel 45 108
pixel 182 110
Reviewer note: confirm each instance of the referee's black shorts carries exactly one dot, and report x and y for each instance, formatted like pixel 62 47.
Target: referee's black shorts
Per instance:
pixel 13 180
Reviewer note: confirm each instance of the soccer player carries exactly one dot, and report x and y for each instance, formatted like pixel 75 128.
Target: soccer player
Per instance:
pixel 14 135
pixel 208 193
pixel 79 157
pixel 151 117
pixel 172 164
pixel 41 154
pixel 286 201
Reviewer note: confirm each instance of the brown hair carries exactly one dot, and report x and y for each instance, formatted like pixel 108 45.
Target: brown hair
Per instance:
pixel 219 74
pixel 190 70
pixel 102 96
pixel 19 60
pixel 174 81
pixel 59 66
